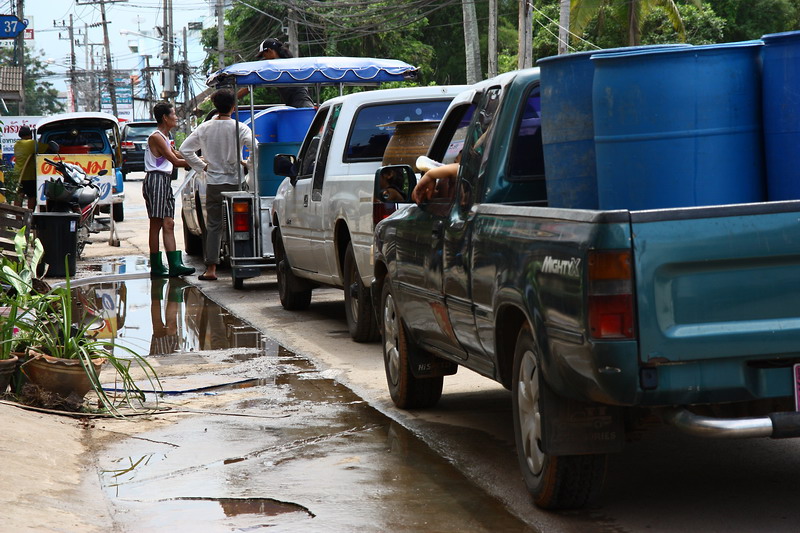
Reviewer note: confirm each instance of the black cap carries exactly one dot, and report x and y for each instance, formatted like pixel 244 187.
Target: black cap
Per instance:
pixel 24 131
pixel 269 44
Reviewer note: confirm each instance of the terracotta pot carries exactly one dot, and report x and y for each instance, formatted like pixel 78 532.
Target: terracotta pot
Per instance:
pixel 411 139
pixel 60 376
pixel 7 369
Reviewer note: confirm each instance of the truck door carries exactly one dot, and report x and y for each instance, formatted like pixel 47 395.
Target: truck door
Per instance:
pixel 318 233
pixel 458 260
pixel 299 209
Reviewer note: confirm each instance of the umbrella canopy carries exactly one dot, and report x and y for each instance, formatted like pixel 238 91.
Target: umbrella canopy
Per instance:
pixel 315 70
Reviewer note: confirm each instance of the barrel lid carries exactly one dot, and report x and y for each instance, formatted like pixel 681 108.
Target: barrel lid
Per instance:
pixel 772 38
pixel 621 49
pixel 704 48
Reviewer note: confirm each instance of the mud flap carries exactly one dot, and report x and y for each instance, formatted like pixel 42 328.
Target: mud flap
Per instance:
pixel 571 427
pixel 426 365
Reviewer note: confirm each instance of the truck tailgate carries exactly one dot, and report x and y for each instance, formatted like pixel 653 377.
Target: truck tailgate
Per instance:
pixel 718 282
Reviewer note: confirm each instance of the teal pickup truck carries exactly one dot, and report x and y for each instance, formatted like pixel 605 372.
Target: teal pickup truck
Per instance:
pixel 594 319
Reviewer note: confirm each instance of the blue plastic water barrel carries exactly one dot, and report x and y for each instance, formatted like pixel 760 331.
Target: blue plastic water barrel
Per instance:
pixel 781 96
pixel 268 182
pixel 293 123
pixel 568 127
pixel 678 127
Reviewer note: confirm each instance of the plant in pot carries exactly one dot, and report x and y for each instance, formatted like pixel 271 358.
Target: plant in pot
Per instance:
pixel 18 288
pixel 62 354
pixel 65 355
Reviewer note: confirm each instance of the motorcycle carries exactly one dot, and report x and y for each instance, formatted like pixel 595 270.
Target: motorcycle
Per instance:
pixel 75 192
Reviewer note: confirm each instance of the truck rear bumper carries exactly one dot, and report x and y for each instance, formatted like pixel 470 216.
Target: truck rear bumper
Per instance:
pixel 780 425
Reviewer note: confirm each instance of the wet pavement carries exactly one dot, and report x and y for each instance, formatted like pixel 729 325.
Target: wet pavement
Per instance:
pixel 250 435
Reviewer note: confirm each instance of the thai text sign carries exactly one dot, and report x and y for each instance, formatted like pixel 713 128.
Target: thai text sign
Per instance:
pixel 92 164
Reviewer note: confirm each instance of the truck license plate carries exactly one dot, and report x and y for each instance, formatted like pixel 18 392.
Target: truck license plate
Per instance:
pixel 796 377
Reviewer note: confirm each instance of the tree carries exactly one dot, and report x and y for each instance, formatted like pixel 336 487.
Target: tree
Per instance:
pixel 41 98
pixel 632 12
pixel 750 19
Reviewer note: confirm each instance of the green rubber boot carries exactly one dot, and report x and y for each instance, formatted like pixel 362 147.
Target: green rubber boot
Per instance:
pixel 157 268
pixel 176 266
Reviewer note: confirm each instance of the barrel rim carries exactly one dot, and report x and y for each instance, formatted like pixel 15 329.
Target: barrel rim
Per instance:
pixel 705 48
pixel 618 49
pixel 769 38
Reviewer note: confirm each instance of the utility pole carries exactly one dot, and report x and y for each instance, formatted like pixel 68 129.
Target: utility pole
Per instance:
pixel 20 55
pixel 73 87
pixel 221 33
pixel 169 55
pixel 112 90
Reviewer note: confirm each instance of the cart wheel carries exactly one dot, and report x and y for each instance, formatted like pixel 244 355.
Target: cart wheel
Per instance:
pixel 238 283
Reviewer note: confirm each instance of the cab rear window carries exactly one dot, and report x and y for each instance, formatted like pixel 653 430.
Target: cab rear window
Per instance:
pixel 74 141
pixel 371 131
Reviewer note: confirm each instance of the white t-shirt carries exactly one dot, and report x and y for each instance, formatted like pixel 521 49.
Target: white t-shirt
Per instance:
pixel 217 143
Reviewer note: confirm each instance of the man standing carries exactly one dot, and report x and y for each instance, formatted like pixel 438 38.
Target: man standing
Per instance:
pixel 222 155
pixel 159 159
pixel 25 150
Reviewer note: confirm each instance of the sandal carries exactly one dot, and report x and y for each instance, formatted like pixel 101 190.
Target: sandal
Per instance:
pixel 204 277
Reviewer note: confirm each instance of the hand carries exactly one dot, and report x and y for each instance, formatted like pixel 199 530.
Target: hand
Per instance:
pixel 424 189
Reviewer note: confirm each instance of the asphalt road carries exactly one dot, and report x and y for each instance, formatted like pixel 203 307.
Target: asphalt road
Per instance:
pixel 662 482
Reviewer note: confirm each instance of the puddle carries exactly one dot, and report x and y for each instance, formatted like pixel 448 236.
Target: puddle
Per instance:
pixel 165 316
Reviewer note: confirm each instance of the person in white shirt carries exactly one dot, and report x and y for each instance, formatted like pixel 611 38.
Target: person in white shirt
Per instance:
pixel 216 141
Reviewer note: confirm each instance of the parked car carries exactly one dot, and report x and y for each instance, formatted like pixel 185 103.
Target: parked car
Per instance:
pixel 88 133
pixel 134 140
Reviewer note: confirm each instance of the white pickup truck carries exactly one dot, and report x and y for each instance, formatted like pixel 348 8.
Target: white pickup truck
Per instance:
pixel 325 211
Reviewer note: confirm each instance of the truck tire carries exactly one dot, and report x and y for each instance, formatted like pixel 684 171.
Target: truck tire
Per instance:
pixel 193 244
pixel 406 390
pixel 357 303
pixel 295 295
pixel 555 482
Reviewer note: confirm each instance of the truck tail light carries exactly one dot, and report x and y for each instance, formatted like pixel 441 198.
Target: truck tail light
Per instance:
pixel 610 295
pixel 128 145
pixel 381 210
pixel 241 216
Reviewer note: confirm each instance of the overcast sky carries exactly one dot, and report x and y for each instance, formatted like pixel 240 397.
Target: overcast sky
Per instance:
pixel 134 15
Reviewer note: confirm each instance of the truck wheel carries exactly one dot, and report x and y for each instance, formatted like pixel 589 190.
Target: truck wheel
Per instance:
pixel 407 391
pixel 555 482
pixel 193 244
pixel 357 303
pixel 294 295
pixel 118 212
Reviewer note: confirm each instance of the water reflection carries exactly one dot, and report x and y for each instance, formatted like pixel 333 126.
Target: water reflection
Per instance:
pixel 163 316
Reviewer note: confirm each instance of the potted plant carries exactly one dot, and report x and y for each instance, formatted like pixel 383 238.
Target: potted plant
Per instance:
pixel 62 353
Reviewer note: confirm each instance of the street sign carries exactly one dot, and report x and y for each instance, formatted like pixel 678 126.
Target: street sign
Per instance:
pixel 11 26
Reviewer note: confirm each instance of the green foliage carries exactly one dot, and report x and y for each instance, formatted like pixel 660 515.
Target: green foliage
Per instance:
pixel 702 25
pixel 41 98
pixel 750 19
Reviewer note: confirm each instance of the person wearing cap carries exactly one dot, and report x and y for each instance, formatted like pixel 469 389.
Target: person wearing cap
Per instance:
pixel 25 150
pixel 292 96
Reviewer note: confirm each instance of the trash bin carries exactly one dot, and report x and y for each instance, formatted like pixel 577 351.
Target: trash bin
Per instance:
pixel 58 233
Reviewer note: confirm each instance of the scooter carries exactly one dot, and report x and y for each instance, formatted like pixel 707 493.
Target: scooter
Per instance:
pixel 75 193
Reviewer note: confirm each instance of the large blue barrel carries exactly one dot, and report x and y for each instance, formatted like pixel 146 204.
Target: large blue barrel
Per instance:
pixel 678 127
pixel 268 182
pixel 781 97
pixel 293 123
pixel 568 127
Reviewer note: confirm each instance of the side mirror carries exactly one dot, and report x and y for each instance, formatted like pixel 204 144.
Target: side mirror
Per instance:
pixel 285 165
pixel 394 183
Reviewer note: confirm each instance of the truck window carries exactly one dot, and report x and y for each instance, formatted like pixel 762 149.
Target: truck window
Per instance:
pixel 322 154
pixel 369 135
pixel 308 152
pixel 526 160
pixel 450 141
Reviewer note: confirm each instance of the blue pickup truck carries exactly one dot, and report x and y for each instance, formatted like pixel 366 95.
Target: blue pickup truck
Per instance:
pixel 594 319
